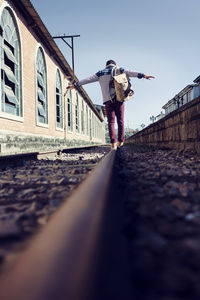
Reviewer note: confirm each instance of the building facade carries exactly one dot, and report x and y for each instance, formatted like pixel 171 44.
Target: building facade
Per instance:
pixel 186 95
pixel 34 113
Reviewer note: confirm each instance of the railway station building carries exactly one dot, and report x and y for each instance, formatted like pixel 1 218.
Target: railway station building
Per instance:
pixel 34 113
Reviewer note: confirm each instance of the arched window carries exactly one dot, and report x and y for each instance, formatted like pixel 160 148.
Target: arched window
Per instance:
pixel 90 126
pixel 59 101
pixel 87 129
pixel 41 75
pixel 11 86
pixel 69 110
pixel 82 119
pixel 95 126
pixel 77 113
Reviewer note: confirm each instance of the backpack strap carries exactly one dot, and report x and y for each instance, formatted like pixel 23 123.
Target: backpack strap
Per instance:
pixel 118 71
pixel 114 71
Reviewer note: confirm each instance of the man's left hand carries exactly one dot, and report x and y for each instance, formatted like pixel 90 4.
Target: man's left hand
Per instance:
pixel 148 77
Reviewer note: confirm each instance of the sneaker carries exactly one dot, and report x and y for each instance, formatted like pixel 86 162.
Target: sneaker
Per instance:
pixel 113 146
pixel 120 144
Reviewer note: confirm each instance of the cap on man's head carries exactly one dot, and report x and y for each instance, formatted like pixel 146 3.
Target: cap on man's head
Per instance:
pixel 110 62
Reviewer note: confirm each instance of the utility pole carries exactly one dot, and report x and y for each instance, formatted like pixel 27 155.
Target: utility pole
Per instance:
pixel 71 46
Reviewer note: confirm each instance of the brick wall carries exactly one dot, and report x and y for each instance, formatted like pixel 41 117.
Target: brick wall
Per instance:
pixel 178 130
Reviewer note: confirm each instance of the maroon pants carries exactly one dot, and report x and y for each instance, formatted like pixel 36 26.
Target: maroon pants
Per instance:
pixel 115 109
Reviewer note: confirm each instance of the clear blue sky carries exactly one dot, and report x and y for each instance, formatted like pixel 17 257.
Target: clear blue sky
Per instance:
pixel 157 37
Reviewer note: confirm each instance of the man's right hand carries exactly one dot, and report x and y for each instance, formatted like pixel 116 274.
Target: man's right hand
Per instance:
pixel 71 86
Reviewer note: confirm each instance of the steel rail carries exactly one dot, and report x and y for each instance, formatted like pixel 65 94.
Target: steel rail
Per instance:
pixel 58 262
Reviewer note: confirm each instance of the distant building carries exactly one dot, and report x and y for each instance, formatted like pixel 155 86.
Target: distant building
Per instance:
pixel 197 81
pixel 186 95
pixel 129 132
pixel 160 116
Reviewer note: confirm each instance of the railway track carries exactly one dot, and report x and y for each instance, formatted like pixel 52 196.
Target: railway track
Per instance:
pixel 33 186
pixel 62 260
pixel 130 230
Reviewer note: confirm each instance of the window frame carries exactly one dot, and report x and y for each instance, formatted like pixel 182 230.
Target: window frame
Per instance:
pixel 11 66
pixel 87 121
pixel 69 111
pixel 41 89
pixel 77 126
pixel 82 119
pixel 59 97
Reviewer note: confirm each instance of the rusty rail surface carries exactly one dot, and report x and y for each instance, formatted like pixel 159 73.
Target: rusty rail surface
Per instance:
pixel 58 262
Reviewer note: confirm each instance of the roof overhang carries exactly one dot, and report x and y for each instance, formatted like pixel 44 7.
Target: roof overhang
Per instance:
pixel 185 90
pixel 197 80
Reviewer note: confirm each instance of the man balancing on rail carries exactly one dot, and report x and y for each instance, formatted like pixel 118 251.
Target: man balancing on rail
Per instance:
pixel 113 106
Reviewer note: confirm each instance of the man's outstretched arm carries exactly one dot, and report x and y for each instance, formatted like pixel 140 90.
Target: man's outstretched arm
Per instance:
pixel 131 73
pixel 87 80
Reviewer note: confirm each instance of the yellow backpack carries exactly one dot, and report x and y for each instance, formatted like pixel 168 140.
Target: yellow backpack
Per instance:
pixel 122 85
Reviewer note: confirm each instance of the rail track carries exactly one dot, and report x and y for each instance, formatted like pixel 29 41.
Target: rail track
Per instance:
pixel 129 230
pixel 32 187
pixel 60 262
